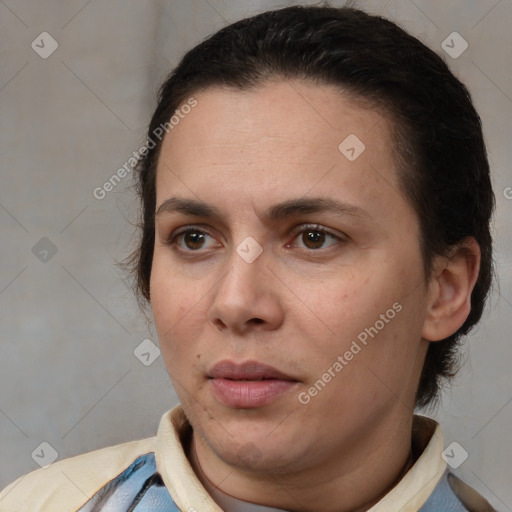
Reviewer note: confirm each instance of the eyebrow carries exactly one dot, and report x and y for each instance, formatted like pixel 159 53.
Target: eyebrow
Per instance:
pixel 276 212
pixel 187 207
pixel 314 205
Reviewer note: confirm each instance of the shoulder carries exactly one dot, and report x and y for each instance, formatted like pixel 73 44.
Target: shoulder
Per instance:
pixel 452 494
pixel 430 486
pixel 471 499
pixel 66 485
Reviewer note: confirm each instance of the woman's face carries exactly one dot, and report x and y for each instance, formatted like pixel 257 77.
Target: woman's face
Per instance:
pixel 287 284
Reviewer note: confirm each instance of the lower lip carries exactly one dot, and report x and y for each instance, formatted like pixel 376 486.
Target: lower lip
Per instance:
pixel 249 394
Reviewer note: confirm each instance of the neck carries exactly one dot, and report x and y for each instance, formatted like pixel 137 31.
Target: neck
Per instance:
pixel 352 480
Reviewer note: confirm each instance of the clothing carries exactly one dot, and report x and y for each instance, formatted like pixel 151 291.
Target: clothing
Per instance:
pixel 155 475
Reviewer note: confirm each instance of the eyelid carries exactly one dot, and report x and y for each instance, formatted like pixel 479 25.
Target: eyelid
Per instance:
pixel 186 229
pixel 318 227
pixel 172 241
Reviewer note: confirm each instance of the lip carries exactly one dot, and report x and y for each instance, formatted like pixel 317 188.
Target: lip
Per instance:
pixel 248 385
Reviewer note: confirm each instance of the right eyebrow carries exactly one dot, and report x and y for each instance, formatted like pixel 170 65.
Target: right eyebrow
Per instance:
pixel 187 207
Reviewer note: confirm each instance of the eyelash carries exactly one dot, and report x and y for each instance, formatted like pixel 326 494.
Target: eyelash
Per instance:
pixel 303 228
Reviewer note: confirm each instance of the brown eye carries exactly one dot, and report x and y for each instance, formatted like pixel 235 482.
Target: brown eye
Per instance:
pixel 194 240
pixel 313 239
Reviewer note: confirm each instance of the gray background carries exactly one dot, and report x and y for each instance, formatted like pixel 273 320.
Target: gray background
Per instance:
pixel 69 325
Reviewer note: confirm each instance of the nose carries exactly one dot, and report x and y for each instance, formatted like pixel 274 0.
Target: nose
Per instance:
pixel 247 298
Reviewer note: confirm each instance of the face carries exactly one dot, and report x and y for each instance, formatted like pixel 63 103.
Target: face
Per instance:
pixel 287 284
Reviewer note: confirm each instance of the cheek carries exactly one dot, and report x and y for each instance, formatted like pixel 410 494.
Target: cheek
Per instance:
pixel 176 306
pixel 342 303
pixel 372 305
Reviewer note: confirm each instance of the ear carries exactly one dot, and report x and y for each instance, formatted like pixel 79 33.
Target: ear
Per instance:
pixel 451 283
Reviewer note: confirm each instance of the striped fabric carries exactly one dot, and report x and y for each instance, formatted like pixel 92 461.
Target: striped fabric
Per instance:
pixel 139 488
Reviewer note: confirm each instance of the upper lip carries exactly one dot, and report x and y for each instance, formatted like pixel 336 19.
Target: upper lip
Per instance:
pixel 248 370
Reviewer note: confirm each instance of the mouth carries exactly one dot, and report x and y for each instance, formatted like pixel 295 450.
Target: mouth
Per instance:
pixel 248 371
pixel 248 385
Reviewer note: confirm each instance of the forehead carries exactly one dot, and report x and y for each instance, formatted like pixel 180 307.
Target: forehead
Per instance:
pixel 292 134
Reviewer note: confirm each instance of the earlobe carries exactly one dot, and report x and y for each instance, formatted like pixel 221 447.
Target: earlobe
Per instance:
pixel 451 284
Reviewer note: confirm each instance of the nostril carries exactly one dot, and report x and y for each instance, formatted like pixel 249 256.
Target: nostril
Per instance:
pixel 257 321
pixel 219 324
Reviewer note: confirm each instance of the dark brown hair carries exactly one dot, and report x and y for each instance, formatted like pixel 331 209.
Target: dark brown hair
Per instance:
pixel 441 156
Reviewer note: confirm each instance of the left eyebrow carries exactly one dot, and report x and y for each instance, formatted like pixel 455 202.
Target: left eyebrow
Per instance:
pixel 276 212
pixel 314 205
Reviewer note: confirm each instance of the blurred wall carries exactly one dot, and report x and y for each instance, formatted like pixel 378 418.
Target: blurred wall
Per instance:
pixel 78 81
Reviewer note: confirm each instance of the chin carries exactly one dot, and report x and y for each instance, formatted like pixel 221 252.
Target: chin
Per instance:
pixel 254 445
pixel 259 457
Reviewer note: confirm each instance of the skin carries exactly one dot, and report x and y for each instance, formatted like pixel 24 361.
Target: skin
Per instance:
pixel 297 308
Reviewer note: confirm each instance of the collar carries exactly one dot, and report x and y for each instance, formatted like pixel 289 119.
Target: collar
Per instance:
pixel 408 495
